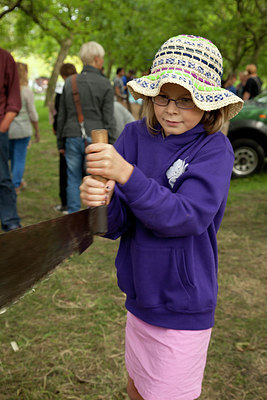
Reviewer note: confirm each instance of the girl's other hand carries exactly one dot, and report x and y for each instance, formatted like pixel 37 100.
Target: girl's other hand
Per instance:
pixel 104 160
pixel 94 193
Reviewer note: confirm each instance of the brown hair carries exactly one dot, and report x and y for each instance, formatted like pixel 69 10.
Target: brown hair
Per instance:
pixel 67 69
pixel 231 78
pixel 23 73
pixel 251 69
pixel 212 120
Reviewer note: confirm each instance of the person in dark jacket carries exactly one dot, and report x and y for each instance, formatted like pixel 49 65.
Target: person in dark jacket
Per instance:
pixel 97 102
pixel 172 172
pixel 66 70
pixel 253 83
pixel 10 105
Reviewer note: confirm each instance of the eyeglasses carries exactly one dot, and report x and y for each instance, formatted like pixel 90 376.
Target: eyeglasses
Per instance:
pixel 186 103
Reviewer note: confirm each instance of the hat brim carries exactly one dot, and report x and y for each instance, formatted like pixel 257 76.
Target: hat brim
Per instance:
pixel 205 97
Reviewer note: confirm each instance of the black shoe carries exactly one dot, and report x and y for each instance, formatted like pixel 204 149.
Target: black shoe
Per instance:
pixel 13 227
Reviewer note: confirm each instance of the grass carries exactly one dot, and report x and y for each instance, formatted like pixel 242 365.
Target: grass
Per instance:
pixel 70 330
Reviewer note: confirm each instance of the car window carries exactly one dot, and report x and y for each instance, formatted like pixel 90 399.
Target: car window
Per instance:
pixel 261 98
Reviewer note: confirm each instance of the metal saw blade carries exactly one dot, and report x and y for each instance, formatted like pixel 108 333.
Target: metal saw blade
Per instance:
pixel 28 254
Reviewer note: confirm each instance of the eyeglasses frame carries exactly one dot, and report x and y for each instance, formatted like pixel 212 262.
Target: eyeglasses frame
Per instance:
pixel 175 101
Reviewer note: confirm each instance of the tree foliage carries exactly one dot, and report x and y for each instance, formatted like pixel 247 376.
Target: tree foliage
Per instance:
pixel 131 31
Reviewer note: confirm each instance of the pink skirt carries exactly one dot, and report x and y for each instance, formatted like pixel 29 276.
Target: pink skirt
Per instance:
pixel 165 364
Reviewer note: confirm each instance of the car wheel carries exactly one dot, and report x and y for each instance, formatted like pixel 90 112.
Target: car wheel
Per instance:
pixel 249 158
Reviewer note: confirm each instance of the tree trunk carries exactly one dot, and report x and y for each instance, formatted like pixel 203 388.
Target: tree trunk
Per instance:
pixel 109 62
pixel 256 54
pixel 63 52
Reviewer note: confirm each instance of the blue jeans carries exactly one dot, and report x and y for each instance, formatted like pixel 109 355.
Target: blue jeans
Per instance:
pixel 17 154
pixel 8 198
pixel 74 153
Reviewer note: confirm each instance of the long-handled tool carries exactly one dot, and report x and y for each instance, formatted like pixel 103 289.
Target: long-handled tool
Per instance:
pixel 30 253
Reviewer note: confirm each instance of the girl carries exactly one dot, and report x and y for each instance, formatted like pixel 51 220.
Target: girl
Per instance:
pixel 20 130
pixel 172 172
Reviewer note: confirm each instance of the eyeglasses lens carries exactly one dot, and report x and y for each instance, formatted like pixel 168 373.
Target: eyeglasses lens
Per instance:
pixel 184 103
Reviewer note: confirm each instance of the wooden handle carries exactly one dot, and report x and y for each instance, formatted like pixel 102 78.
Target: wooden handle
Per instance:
pixel 99 215
pixel 99 136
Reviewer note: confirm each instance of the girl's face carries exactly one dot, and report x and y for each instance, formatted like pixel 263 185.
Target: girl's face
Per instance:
pixel 174 120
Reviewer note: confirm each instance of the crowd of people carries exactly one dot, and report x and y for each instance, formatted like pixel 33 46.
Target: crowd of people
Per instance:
pixel 249 85
pixel 100 110
pixel 19 118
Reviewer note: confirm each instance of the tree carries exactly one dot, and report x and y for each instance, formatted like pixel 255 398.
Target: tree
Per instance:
pixel 131 31
pixel 242 33
pixel 10 8
pixel 57 21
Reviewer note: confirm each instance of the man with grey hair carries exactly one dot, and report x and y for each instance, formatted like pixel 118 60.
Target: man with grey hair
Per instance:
pixel 97 102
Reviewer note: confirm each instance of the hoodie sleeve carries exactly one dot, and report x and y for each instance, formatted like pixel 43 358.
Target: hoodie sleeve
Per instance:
pixel 196 198
pixel 120 217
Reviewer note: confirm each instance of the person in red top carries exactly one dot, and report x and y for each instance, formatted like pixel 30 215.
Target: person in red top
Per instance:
pixel 10 105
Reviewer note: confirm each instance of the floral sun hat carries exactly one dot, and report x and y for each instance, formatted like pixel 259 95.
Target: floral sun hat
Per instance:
pixel 194 63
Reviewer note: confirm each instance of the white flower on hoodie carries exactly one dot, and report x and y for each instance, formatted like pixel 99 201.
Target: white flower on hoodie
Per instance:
pixel 177 169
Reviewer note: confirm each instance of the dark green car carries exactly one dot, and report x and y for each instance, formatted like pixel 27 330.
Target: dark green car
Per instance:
pixel 248 135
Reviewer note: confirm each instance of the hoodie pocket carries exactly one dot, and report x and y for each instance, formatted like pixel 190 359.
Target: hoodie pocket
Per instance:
pixel 160 278
pixel 125 269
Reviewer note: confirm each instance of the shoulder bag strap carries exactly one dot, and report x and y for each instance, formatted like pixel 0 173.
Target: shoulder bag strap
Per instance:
pixel 77 102
pixel 76 98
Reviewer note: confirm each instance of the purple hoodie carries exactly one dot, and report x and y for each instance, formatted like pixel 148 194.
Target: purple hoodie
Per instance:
pixel 167 260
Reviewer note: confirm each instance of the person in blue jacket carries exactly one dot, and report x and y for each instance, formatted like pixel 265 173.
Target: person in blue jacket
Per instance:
pixel 168 180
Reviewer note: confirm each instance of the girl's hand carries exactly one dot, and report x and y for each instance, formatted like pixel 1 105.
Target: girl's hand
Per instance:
pixel 102 159
pixel 94 193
